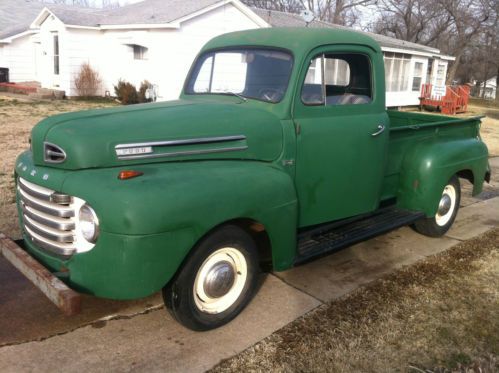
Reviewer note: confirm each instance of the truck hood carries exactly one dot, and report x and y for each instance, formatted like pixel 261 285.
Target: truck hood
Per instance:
pixel 160 132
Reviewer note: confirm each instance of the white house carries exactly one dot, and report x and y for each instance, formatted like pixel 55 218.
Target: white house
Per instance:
pixel 156 40
pixel 488 89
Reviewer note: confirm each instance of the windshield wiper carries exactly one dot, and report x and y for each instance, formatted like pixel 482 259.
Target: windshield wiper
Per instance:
pixel 244 99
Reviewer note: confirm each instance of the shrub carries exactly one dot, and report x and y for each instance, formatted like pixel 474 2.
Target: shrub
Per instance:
pixel 126 93
pixel 87 82
pixel 144 86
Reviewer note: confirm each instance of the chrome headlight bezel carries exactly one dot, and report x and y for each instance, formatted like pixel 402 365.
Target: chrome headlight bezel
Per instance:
pixel 88 223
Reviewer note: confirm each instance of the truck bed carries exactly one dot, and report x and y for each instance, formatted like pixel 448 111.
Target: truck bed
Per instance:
pixel 407 129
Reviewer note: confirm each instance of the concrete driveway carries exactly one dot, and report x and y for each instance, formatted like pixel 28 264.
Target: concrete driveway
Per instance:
pixel 138 335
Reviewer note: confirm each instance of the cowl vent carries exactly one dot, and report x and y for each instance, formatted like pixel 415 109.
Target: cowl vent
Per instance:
pixel 53 153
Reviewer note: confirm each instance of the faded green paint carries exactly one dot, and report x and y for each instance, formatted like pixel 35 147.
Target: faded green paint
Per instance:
pixel 302 166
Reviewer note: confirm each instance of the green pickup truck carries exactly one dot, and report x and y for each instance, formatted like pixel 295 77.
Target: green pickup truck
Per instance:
pixel 279 150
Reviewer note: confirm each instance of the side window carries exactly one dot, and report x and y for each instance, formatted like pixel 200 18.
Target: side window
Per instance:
pixel 338 79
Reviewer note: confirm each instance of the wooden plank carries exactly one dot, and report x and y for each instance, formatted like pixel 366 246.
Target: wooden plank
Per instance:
pixel 66 299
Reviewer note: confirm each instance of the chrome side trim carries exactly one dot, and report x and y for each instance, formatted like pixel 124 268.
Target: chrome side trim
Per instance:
pixel 187 152
pixel 201 140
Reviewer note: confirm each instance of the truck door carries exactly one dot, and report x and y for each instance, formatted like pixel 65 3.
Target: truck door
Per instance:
pixel 342 133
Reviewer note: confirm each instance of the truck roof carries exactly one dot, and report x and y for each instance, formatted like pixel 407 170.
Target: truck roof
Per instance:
pixel 299 40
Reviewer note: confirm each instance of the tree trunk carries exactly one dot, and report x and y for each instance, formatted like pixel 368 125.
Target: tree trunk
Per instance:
pixel 453 69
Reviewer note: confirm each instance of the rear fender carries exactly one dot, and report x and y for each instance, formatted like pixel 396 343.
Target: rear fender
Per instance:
pixel 429 165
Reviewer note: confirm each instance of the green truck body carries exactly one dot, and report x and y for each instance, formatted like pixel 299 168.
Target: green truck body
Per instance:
pixel 271 168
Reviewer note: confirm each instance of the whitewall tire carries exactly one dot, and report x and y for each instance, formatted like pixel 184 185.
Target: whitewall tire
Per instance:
pixel 216 282
pixel 447 209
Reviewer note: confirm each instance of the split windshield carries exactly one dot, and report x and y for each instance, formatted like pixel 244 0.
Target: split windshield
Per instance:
pixel 262 74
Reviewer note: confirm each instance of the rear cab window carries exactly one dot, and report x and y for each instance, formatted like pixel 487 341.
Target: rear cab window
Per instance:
pixel 338 79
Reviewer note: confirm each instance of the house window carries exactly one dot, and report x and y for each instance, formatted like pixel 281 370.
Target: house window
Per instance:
pixel 397 71
pixel 417 76
pixel 338 79
pixel 139 52
pixel 56 54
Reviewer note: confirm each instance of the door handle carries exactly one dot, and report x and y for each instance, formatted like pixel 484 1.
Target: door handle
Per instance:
pixel 381 129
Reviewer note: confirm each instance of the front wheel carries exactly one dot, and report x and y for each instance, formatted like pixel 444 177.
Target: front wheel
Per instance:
pixel 447 210
pixel 217 281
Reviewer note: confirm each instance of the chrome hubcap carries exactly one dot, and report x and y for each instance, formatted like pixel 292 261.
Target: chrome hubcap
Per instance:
pixel 444 205
pixel 219 280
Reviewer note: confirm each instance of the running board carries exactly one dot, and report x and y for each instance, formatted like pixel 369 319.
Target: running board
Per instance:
pixel 321 242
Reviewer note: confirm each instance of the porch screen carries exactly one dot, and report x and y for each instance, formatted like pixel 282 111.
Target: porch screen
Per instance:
pixel 397 71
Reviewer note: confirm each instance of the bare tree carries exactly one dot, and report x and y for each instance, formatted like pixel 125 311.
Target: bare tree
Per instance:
pixel 418 21
pixel 289 6
pixel 81 3
pixel 461 28
pixel 470 19
pixel 342 12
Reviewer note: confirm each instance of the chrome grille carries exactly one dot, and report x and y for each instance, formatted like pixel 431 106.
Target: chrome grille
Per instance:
pixel 48 218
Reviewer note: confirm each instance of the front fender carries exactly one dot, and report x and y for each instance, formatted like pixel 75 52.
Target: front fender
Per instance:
pixel 429 165
pixel 194 195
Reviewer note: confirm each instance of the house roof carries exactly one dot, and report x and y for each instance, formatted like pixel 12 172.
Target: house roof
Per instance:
pixel 153 11
pixel 16 17
pixel 281 19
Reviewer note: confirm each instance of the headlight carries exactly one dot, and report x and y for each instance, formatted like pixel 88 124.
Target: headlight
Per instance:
pixel 89 223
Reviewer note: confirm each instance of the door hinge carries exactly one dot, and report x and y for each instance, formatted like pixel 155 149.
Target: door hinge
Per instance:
pixel 297 128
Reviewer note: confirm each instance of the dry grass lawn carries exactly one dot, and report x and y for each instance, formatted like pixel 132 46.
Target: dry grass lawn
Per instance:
pixel 439 315
pixel 490 125
pixel 17 118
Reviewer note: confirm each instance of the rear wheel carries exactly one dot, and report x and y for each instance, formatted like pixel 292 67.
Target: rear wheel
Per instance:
pixel 446 213
pixel 216 282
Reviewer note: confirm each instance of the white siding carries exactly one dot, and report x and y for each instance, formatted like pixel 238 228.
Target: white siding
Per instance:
pixel 82 46
pixel 185 44
pixel 19 57
pixel 170 51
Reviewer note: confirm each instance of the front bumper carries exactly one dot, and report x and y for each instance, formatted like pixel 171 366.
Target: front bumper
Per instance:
pixel 66 299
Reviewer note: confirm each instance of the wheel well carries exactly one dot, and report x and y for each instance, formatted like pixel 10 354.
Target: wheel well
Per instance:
pixel 262 240
pixel 467 174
